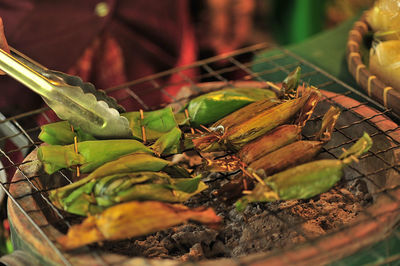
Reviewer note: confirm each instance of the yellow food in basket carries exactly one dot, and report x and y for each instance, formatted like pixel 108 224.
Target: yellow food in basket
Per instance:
pixel 384 62
pixel 384 15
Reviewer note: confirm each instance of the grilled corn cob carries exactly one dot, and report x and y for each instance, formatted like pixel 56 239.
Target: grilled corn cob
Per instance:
pixel 305 180
pixel 277 138
pixel 251 122
pixel 297 152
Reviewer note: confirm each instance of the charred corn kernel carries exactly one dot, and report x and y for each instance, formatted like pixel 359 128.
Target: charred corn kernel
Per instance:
pixel 91 154
pixel 305 180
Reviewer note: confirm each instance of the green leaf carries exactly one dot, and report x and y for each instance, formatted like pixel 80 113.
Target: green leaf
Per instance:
pixel 168 143
pixel 56 157
pixel 60 133
pixel 156 123
pixel 188 185
pixel 90 155
pixel 135 162
pixel 208 108
pixel 291 82
pixel 359 148
pixel 96 195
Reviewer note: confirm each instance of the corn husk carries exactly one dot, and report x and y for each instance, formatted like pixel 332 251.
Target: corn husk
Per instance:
pixel 306 180
pixel 252 122
pixel 297 152
pixel 279 137
pixel 291 82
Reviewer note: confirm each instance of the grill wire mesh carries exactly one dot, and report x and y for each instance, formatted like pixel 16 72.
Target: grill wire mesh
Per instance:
pixel 248 64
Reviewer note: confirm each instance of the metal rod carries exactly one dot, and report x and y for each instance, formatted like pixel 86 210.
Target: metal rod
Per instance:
pixel 36 226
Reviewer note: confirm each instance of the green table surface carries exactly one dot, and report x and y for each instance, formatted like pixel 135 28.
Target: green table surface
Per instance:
pixel 327 50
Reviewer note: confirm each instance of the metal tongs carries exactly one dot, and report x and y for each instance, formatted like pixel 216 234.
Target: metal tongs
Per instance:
pixel 67 96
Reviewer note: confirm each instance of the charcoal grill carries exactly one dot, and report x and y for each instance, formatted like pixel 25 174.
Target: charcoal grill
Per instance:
pixel 36 223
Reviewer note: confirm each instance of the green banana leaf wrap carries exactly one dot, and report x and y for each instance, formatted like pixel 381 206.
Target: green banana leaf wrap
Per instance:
pixel 135 162
pixel 204 109
pixel 169 143
pixel 90 155
pixel 210 107
pixel 306 180
pixel 99 194
pixel 60 133
pixel 156 123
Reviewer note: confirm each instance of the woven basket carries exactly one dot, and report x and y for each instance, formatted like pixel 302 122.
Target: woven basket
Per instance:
pixel 376 89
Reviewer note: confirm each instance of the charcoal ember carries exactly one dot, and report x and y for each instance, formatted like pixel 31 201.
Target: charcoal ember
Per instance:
pixel 360 190
pixel 151 247
pixel 190 234
pixel 196 253
pixel 260 233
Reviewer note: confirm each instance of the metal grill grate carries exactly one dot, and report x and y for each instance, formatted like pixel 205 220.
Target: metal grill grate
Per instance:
pixel 248 64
